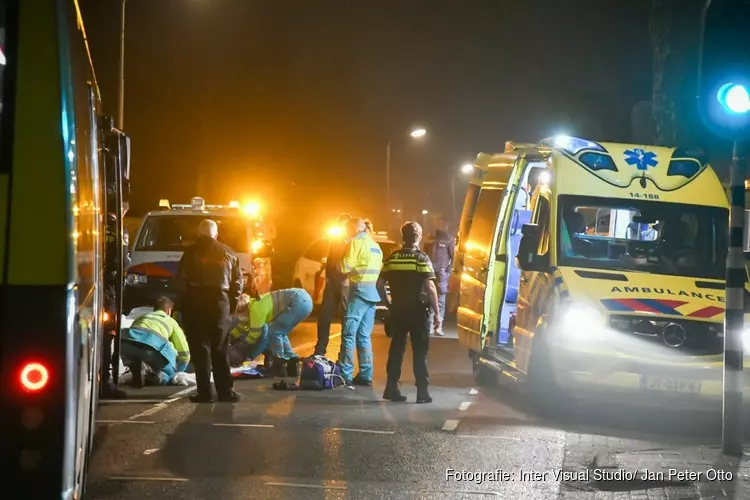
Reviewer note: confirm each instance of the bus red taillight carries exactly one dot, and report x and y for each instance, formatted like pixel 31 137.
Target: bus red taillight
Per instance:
pixel 34 377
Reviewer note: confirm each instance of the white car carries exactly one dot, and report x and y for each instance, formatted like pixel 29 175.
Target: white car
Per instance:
pixel 309 272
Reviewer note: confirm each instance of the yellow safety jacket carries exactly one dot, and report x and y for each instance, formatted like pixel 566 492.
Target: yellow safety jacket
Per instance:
pixel 260 312
pixel 362 263
pixel 167 327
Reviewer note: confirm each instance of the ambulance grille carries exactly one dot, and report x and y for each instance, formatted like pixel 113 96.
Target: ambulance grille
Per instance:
pixel 700 337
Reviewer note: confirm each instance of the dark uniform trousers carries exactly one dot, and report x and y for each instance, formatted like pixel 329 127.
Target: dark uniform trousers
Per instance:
pixel 335 298
pixel 206 318
pixel 414 323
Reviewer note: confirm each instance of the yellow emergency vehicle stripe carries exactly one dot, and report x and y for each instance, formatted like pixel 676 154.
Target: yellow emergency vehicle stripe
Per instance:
pixel 40 242
pixel 4 194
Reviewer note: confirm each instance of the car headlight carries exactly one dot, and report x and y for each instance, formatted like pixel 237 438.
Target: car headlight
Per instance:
pixel 135 279
pixel 581 321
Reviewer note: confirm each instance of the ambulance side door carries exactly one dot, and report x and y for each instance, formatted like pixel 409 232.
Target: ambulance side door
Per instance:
pixel 534 289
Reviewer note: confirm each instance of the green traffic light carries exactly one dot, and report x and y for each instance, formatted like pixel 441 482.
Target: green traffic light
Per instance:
pixel 734 98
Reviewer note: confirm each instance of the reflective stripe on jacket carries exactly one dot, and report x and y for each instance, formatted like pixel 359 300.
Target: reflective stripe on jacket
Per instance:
pixel 160 323
pixel 260 312
pixel 362 263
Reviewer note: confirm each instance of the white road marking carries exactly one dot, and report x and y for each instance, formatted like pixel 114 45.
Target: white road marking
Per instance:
pixel 473 392
pixel 471 436
pixel 366 431
pixel 464 406
pixel 313 343
pixel 160 406
pixel 137 478
pixel 264 426
pixel 125 422
pixel 450 425
pixel 313 486
pixel 151 451
pixel 463 492
pixel 129 401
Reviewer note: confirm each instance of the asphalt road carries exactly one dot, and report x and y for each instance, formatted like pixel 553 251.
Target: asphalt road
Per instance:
pixel 351 444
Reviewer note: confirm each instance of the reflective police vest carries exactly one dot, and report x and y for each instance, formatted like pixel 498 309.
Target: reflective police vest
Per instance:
pixel 362 262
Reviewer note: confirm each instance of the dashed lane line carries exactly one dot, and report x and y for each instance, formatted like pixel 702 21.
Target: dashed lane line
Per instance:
pixel 260 426
pixel 129 401
pixel 462 492
pixel 160 406
pixel 310 486
pixel 149 478
pixel 464 406
pixel 125 422
pixel 450 425
pixel 474 436
pixel 364 431
pixel 473 392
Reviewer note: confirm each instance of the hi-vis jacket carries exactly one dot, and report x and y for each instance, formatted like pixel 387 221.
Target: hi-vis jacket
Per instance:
pixel 362 262
pixel 261 312
pixel 167 328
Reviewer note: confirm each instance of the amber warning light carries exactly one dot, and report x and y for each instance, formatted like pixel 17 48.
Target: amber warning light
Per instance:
pixel 34 377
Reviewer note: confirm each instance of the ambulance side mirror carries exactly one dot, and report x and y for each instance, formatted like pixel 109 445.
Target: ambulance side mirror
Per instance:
pixel 528 259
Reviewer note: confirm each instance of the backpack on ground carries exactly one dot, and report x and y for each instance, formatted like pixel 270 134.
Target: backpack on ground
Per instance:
pixel 320 373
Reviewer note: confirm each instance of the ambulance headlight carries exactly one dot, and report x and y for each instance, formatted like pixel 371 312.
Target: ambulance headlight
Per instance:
pixel 133 279
pixel 581 321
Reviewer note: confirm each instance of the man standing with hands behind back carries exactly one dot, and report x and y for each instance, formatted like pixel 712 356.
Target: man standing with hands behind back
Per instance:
pixel 411 277
pixel 210 280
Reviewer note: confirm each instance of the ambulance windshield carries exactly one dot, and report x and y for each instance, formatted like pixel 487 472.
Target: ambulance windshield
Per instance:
pixel 643 235
pixel 173 233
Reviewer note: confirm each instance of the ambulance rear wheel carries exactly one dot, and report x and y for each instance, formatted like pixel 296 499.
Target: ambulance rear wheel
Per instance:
pixel 482 375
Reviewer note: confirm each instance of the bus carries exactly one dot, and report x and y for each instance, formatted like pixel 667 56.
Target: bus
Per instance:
pixel 63 173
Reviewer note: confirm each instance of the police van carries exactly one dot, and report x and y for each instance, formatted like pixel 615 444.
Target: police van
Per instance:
pixel 596 270
pixel 164 234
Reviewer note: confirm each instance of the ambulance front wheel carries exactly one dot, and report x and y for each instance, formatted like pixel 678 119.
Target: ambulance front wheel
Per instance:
pixel 546 396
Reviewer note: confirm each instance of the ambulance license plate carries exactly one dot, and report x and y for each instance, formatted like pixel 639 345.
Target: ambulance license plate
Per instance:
pixel 670 385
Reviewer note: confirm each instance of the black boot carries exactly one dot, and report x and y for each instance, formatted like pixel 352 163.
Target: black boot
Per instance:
pixel 232 397
pixel 292 367
pixel 423 395
pixel 392 393
pixel 110 391
pixel 201 398
pixel 358 380
pixel 278 367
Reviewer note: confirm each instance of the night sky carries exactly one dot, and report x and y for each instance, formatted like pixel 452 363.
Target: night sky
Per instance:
pixel 295 101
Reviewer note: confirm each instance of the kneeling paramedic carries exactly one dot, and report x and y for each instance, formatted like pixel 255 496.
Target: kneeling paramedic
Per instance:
pixel 156 340
pixel 361 263
pixel 270 318
pixel 411 278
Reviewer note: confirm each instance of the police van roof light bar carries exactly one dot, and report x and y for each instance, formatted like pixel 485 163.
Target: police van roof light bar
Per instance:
pixel 164 203
pixel 572 145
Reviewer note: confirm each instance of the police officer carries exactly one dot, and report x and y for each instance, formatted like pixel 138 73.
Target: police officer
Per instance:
pixel 361 263
pixel 210 280
pixel 441 254
pixel 411 278
pixel 335 295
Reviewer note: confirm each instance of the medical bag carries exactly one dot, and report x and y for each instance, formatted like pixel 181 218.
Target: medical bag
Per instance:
pixel 320 373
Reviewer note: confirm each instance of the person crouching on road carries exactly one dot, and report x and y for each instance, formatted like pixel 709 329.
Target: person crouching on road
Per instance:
pixel 335 294
pixel 361 263
pixel 270 318
pixel 411 278
pixel 156 340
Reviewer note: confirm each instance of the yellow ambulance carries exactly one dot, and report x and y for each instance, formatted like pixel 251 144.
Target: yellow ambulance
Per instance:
pixel 596 270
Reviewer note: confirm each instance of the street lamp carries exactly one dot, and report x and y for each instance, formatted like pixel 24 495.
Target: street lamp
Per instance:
pixel 467 168
pixel 424 220
pixel 417 133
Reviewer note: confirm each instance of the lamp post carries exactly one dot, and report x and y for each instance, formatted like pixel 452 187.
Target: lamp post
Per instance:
pixel 724 106
pixel 415 134
pixel 424 220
